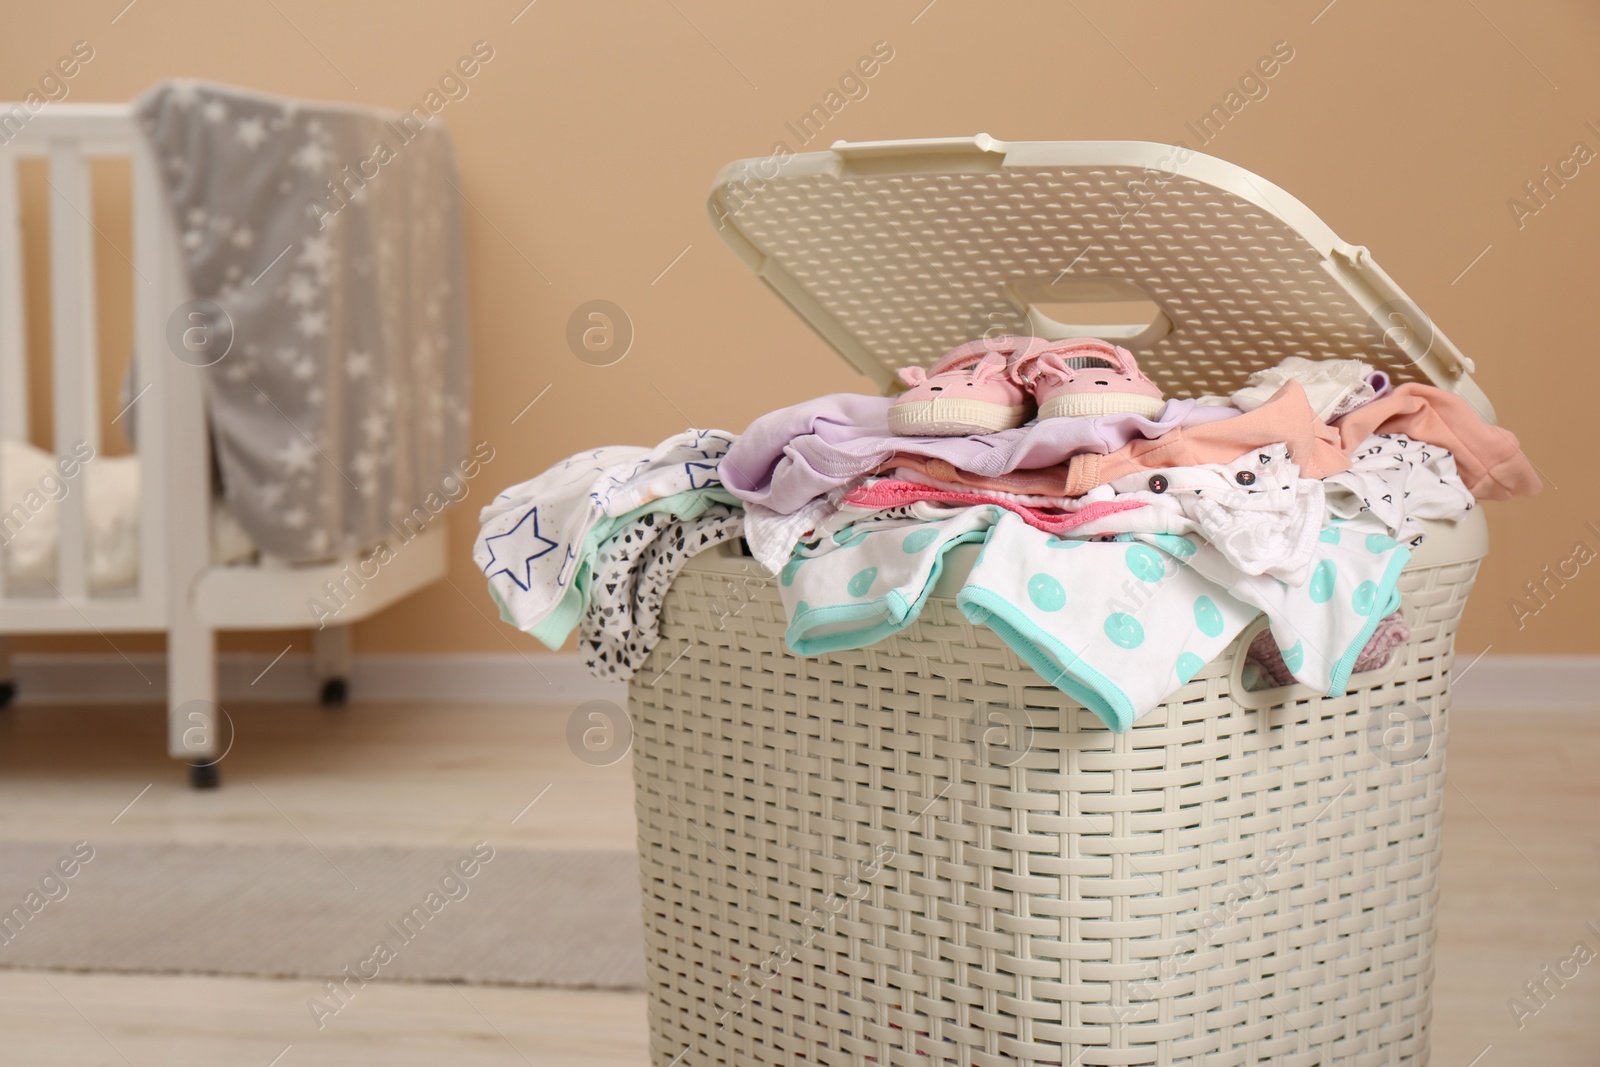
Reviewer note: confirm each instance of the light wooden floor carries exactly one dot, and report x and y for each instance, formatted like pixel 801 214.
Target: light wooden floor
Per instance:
pixel 1522 876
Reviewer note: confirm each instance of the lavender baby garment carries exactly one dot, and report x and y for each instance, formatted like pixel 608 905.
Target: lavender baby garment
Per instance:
pixel 797 454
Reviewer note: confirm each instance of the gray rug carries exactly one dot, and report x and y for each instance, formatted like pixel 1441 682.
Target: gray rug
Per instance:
pixel 527 918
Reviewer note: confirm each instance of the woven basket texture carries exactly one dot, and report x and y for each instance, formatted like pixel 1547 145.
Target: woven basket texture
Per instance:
pixel 921 853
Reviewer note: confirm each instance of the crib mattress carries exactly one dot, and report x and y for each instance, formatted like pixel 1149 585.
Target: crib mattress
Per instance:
pixel 31 490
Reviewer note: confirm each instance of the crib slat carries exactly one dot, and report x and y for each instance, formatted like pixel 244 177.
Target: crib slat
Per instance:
pixel 75 346
pixel 13 353
pixel 154 296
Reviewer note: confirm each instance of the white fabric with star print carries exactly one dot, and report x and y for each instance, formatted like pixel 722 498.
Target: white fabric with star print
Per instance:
pixel 538 541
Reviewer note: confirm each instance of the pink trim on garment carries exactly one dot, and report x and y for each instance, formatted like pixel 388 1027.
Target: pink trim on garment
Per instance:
pixel 1044 482
pixel 891 493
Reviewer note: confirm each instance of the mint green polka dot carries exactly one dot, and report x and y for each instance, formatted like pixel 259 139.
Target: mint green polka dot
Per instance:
pixel 1189 665
pixel 1207 616
pixel 863 580
pixel 786 576
pixel 1061 542
pixel 1321 588
pixel 917 540
pixel 1046 593
pixel 1181 547
pixel 1145 563
pixel 1294 658
pixel 1124 630
pixel 848 538
pixel 1380 542
pixel 1365 598
pixel 800 608
pixel 1330 535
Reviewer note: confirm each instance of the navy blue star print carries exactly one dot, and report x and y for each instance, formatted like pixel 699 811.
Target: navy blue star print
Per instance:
pixel 526 580
pixel 702 475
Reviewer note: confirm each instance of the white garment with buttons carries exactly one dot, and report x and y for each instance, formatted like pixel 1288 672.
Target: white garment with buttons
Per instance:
pixel 1257 512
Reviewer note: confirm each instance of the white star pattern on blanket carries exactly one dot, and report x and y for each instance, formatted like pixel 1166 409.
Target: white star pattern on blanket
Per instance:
pixel 250 133
pixel 297 455
pixel 352 296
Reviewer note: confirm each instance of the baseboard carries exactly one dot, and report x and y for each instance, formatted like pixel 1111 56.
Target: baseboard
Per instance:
pixel 478 678
pixel 1499 682
pixel 1527 683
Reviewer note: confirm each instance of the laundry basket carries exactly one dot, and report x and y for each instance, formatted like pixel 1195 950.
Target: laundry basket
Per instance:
pixel 921 852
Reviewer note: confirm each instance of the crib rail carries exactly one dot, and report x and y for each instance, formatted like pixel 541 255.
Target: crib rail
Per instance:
pixel 170 439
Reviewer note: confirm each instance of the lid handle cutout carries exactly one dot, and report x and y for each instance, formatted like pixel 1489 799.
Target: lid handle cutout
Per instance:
pixel 1109 308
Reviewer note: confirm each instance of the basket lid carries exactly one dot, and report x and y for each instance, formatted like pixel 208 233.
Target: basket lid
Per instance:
pixel 896 251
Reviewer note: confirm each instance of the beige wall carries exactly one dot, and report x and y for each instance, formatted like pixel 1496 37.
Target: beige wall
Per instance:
pixel 587 145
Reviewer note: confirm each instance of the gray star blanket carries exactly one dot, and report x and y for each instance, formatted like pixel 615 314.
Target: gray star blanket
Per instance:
pixel 330 239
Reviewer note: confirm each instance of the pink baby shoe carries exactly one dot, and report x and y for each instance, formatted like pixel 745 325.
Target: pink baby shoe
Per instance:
pixel 1087 376
pixel 970 390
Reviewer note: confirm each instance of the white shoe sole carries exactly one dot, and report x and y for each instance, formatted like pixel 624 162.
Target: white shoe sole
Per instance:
pixel 953 418
pixel 1080 404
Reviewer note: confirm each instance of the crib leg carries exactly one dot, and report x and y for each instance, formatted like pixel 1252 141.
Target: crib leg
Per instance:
pixel 8 680
pixel 198 730
pixel 330 662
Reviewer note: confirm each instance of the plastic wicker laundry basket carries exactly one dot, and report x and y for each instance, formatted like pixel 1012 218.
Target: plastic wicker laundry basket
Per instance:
pixel 920 852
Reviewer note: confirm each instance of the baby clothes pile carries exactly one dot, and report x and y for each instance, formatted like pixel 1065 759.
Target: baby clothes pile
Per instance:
pixel 593 543
pixel 1125 539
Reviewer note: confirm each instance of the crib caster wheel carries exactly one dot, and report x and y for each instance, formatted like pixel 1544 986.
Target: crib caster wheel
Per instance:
pixel 204 775
pixel 335 693
pixel 8 693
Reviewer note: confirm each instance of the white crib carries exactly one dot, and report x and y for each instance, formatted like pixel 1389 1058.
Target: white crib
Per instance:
pixel 178 590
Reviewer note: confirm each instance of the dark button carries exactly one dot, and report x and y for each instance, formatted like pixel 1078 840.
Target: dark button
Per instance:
pixel 1157 483
pixel 1245 477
